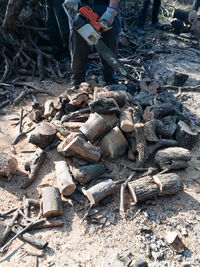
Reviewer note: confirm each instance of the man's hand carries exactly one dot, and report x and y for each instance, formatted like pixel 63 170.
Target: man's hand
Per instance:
pixel 108 16
pixel 72 4
pixel 192 16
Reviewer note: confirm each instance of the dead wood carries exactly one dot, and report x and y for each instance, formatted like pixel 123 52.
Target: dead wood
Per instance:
pixel 49 223
pixel 119 96
pixel 175 242
pixel 168 127
pixel 150 130
pixel 104 106
pixel 72 126
pixel 126 120
pixel 158 111
pixel 21 134
pixel 8 166
pixel 74 114
pixel 48 109
pixel 141 144
pixel 51 202
pixel 77 98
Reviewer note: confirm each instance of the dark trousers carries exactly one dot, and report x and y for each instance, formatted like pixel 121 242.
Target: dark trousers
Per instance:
pixel 144 10
pixel 58 28
pixel 196 5
pixel 80 49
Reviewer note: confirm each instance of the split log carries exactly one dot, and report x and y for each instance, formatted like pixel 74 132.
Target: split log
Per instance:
pixel 143 189
pixel 150 129
pixel 126 121
pixel 95 128
pixel 112 119
pixel 119 96
pixel 80 148
pixel 29 238
pixel 141 144
pixel 74 114
pixel 168 184
pixel 99 191
pixel 8 166
pixel 173 158
pixel 48 109
pixel 65 182
pixel 33 166
pixel 185 136
pixel 175 242
pixel 168 127
pixel 158 111
pixel 113 144
pixel 51 202
pixel 104 106
pixel 43 135
pixel 77 98
pixel 86 173
pixel 72 126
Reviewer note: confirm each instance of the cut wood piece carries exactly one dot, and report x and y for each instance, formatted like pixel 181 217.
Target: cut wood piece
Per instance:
pixel 95 128
pixel 51 202
pixel 111 119
pixel 36 114
pixel 72 126
pixel 80 148
pixel 99 191
pixel 48 109
pixel 77 98
pixel 29 238
pixel 152 148
pixel 73 115
pixel 65 182
pixel 185 136
pixel 168 184
pixel 158 111
pixel 8 166
pixel 168 127
pixel 119 96
pixel 173 158
pixel 104 106
pixel 150 129
pixel 126 121
pixel 33 166
pixel 175 242
pixel 149 85
pixel 143 189
pixel 113 144
pixel 86 173
pixel 77 162
pixel 43 135
pixel 141 144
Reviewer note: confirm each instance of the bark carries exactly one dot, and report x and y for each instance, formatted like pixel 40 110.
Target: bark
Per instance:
pixel 8 166
pixel 51 202
pixel 126 121
pixel 119 96
pixel 104 106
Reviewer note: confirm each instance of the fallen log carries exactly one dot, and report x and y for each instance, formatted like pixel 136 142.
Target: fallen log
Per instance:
pixel 104 106
pixel 143 189
pixel 85 174
pixel 168 184
pixel 65 182
pixel 33 166
pixel 51 202
pixel 99 191
pixel 8 166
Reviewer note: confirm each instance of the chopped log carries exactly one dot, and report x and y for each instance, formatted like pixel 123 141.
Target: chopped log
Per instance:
pixel 175 242
pixel 140 144
pixel 74 114
pixel 80 148
pixel 29 238
pixel 104 106
pixel 113 144
pixel 160 144
pixel 168 184
pixel 43 135
pixel 137 113
pixel 143 189
pixel 119 96
pixel 8 166
pixel 65 182
pixel 33 166
pixel 72 126
pixel 158 111
pixel 48 109
pixel 179 78
pixel 149 85
pixel 86 173
pixel 185 136
pixel 36 114
pixel 150 129
pixel 76 98
pixel 168 127
pixel 111 119
pixel 95 128
pixel 101 190
pixel 172 158
pixel 51 202
pixel 78 162
pixel 126 121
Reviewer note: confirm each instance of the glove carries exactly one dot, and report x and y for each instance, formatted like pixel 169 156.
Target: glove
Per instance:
pixel 192 16
pixel 108 16
pixel 71 4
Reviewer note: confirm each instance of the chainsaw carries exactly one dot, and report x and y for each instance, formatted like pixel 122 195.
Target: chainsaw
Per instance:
pixel 87 25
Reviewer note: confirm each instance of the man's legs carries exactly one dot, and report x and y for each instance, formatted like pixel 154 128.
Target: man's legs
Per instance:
pixel 196 5
pixel 155 11
pixel 142 15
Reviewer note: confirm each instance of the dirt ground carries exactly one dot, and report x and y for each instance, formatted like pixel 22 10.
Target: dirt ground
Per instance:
pixel 102 243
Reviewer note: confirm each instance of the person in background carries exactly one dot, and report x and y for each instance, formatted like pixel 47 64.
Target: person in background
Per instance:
pixel 143 15
pixel 108 12
pixel 193 13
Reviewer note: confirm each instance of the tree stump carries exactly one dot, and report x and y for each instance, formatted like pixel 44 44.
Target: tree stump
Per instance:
pixel 43 135
pixel 51 202
pixel 95 128
pixel 126 121
pixel 168 184
pixel 65 182
pixel 8 166
pixel 143 189
pixel 99 191
pixel 172 158
pixel 85 174
pixel 113 144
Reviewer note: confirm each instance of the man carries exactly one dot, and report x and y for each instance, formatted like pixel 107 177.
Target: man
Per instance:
pixel 108 12
pixel 143 15
pixel 196 5
pixel 58 29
